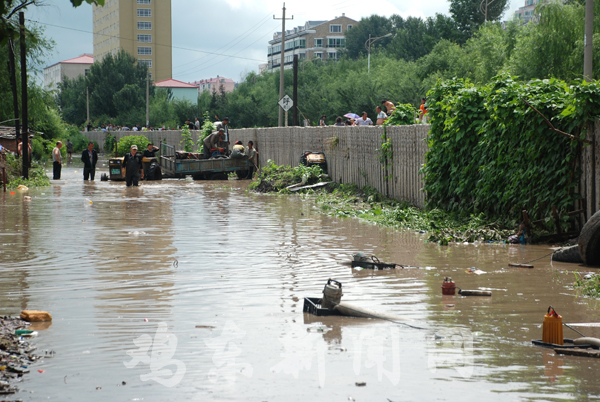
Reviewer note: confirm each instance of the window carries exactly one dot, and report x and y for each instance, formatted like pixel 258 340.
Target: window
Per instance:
pixel 319 42
pixel 146 62
pixel 144 12
pixel 332 56
pixel 319 55
pixel 276 49
pixel 143 1
pixel 289 45
pixel 144 25
pixel 288 59
pixel 336 42
pixel 302 56
pixel 335 29
pixel 349 27
pixel 144 51
pixel 300 43
pixel 145 38
pixel 87 71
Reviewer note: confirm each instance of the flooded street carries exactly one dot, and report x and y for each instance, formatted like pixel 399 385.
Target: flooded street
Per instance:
pixel 193 290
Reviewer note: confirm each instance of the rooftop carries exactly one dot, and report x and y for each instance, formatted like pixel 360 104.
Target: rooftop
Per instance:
pixel 211 80
pixel 171 83
pixel 85 58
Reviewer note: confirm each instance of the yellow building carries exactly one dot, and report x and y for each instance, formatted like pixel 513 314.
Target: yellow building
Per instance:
pixel 140 27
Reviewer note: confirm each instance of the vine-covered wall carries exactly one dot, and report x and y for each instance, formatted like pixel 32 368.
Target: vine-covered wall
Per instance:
pixel 490 152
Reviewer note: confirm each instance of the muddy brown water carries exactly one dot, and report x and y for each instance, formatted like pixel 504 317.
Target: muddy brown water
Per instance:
pixel 190 290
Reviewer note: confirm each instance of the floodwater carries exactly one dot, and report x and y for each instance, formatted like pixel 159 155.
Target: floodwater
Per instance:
pixel 183 290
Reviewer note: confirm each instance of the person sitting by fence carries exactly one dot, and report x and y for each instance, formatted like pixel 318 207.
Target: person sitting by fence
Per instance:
pixel 212 142
pixel 238 151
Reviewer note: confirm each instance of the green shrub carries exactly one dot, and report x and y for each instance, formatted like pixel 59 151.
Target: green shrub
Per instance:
pixel 125 143
pixel 37 173
pixel 403 115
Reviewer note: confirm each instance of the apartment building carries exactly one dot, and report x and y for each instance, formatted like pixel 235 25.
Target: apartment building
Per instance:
pixel 140 27
pixel 71 68
pixel 211 84
pixel 315 39
pixel 526 13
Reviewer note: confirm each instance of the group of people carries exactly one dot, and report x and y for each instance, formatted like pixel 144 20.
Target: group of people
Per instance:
pixel 364 120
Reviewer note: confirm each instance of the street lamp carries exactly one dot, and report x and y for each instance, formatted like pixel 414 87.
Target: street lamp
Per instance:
pixel 368 44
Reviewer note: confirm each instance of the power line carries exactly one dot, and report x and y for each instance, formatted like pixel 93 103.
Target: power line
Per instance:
pixel 156 44
pixel 232 42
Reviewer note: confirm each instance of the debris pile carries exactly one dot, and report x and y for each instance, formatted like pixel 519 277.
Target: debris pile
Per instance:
pixel 15 353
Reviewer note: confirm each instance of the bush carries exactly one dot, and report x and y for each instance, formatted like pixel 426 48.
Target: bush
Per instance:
pixel 403 115
pixel 125 143
pixel 276 178
pixel 78 139
pixel 37 174
pixel 109 142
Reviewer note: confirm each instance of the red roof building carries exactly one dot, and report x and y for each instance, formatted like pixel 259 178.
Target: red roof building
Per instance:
pixel 180 90
pixel 71 68
pixel 215 84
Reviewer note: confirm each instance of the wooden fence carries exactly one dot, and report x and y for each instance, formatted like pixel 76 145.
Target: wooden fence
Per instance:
pixel 353 156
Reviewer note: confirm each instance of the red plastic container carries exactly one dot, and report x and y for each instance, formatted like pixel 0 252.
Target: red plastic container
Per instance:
pixel 448 287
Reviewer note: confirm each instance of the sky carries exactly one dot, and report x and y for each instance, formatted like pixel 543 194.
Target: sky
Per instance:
pixel 236 30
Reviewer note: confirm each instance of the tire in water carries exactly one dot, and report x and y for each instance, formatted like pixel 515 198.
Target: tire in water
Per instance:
pixel 589 241
pixel 567 254
pixel 218 176
pixel 154 172
pixel 241 174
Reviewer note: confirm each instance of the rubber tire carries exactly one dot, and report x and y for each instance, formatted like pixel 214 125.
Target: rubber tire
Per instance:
pixel 567 254
pixel 241 174
pixel 218 176
pixel 154 172
pixel 199 176
pixel 589 241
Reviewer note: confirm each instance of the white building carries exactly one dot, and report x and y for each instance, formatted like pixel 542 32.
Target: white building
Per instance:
pixel 71 68
pixel 315 39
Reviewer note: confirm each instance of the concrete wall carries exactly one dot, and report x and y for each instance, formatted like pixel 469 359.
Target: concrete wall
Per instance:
pixel 351 152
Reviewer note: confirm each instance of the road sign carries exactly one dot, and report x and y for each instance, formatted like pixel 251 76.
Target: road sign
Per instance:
pixel 286 103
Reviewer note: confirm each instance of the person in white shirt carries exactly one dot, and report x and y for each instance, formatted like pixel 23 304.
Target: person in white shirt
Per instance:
pixel 381 116
pixel 364 120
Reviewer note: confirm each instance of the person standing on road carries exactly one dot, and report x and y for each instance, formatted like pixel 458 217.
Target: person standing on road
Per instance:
pixel 133 167
pixel 70 151
pixel 89 157
pixel 56 161
pixel 150 151
pixel 252 155
pixel 380 116
pixel 364 120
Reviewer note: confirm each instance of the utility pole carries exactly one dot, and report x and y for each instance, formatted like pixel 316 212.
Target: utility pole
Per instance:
pixel 24 125
pixel 87 99
pixel 13 86
pixel 147 98
pixel 281 72
pixel 587 40
pixel 295 93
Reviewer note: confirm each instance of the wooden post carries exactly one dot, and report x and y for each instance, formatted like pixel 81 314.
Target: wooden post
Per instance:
pixel 24 125
pixel 13 86
pixel 295 92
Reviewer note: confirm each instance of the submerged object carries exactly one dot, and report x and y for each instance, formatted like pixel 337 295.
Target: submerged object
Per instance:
pixel 448 286
pixel 552 331
pixel 464 292
pixel 35 315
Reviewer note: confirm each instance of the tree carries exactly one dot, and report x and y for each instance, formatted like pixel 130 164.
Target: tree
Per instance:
pixel 373 25
pixel 9 9
pixel 468 15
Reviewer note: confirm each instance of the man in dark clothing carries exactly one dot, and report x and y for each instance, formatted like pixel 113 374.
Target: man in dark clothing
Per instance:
pixel 89 157
pixel 212 141
pixel 149 152
pixel 132 162
pixel 70 151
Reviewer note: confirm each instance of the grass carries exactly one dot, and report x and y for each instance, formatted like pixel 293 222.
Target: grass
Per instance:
pixel 589 287
pixel 37 174
pixel 443 227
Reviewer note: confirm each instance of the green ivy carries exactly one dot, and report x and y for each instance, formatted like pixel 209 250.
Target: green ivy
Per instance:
pixel 186 139
pixel 403 115
pixel 491 153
